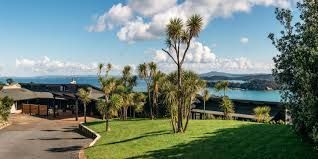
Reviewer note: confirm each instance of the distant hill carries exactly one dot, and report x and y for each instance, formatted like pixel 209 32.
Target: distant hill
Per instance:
pixel 213 75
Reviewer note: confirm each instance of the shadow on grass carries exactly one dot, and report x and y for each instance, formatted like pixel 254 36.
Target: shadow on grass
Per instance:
pixel 259 141
pixel 149 134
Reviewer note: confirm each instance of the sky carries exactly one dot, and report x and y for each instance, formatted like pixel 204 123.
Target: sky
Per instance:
pixel 58 37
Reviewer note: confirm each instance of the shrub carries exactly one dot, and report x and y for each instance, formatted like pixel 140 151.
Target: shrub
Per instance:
pixel 227 107
pixel 5 106
pixel 262 114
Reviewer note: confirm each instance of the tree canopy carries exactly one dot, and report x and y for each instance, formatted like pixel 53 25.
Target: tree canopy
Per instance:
pixel 296 67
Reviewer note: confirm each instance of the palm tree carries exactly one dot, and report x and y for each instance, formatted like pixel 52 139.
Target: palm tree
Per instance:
pixel 108 86
pixel 227 107
pixel 169 89
pixel 109 109
pixel 128 81
pixel 180 36
pixel 144 74
pixel 262 113
pixel 127 102
pixel 84 96
pixel 206 97
pixel 222 85
pixel 138 103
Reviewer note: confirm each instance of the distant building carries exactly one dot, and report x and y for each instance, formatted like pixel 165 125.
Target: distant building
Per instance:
pixel 58 98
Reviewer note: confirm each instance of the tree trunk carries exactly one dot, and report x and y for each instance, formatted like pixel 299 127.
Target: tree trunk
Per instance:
pixel 179 118
pixel 76 110
pixel 204 115
pixel 150 105
pixel 107 123
pixel 84 112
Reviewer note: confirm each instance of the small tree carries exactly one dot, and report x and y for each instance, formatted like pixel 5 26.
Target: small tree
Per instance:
pixel 222 86
pixel 5 107
pixel 138 102
pixel 227 107
pixel 110 109
pixel 84 94
pixel 205 97
pixel 108 85
pixel 296 67
pixel 144 73
pixel 192 86
pixel 262 113
pixel 9 81
pixel 178 39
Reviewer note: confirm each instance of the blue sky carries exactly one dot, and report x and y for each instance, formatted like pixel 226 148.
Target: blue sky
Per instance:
pixel 58 37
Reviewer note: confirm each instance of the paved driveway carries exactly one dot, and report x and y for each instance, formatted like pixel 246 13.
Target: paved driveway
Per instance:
pixel 32 138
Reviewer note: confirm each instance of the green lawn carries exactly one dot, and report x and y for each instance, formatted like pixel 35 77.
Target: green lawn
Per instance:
pixel 215 139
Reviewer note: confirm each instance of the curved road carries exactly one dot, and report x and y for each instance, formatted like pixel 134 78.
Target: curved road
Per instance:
pixel 36 138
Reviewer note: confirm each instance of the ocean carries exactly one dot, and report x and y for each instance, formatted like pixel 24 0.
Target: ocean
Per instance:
pixel 272 95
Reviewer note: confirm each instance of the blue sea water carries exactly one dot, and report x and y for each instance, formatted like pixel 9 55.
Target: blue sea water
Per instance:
pixel 272 96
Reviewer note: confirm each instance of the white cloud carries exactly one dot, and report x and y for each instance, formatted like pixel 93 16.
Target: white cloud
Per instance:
pixel 135 30
pixel 244 40
pixel 150 7
pixel 116 16
pixel 47 66
pixel 201 59
pixel 158 14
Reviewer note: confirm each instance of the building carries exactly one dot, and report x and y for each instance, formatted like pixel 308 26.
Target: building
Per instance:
pixel 57 98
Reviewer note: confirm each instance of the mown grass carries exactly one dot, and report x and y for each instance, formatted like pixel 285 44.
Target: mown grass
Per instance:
pixel 217 139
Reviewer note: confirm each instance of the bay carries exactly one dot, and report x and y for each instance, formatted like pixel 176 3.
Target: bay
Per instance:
pixel 272 95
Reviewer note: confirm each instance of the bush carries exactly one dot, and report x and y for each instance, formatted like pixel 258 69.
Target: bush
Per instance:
pixel 5 106
pixel 227 107
pixel 262 114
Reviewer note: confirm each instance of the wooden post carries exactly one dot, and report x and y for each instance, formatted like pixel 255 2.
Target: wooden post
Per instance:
pixel 47 108
pixel 76 109
pixel 54 107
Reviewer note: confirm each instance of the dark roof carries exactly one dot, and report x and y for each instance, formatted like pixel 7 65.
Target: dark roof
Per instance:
pixel 67 91
pixel 18 94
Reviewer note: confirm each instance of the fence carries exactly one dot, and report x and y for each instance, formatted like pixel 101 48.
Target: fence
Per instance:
pixel 33 109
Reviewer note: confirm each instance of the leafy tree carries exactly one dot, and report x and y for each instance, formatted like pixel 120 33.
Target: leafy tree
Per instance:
pixel 222 86
pixel 84 94
pixel 108 85
pixel 138 102
pixel 206 97
pixel 296 68
pixel 128 81
pixel 5 107
pixel 178 39
pixel 227 107
pixel 169 89
pixel 10 81
pixel 109 109
pixel 262 113
pixel 144 73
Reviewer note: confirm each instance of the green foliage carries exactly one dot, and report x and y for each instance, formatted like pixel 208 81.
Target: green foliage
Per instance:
pixel 262 113
pixel 116 101
pixel 222 86
pixel 192 85
pixel 296 68
pixel 84 94
pixel 227 107
pixel 179 35
pixel 10 81
pixel 5 107
pixel 215 139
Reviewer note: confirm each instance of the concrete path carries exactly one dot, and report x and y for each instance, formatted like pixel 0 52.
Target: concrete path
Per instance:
pixel 36 138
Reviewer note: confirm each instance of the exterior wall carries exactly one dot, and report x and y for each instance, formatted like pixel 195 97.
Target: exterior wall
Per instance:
pixel 14 109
